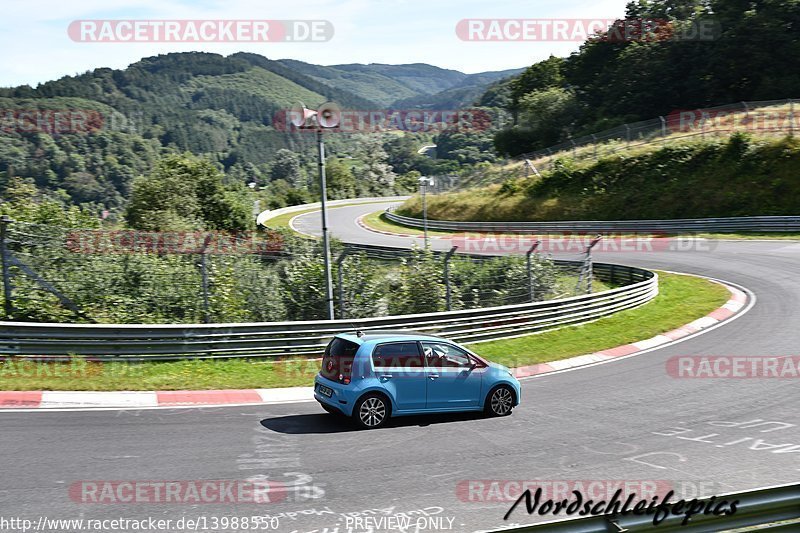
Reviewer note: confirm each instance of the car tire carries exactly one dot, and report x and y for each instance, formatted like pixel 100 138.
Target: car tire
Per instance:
pixel 372 411
pixel 499 401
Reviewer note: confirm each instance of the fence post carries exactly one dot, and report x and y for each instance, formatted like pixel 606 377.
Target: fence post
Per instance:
pixel 574 155
pixel 791 117
pixel 340 281
pixel 663 128
pixel 448 292
pixel 530 270
pixel 586 268
pixel 8 302
pixel 204 274
pixel 594 143
pixel 628 134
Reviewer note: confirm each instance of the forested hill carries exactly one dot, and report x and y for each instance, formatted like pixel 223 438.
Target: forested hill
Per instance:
pixel 220 107
pixel 706 53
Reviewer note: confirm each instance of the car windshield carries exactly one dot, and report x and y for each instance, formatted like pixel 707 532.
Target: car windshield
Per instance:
pixel 337 363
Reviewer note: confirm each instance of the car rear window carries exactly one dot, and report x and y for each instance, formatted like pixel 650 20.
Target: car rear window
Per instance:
pixel 397 354
pixel 337 363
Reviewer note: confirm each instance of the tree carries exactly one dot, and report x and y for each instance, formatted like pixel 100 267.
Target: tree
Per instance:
pixel 186 193
pixel 376 175
pixel 420 288
pixel 286 166
pixel 546 117
pixel 340 180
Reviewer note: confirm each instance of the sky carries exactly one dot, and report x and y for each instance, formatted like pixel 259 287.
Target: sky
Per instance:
pixel 37 46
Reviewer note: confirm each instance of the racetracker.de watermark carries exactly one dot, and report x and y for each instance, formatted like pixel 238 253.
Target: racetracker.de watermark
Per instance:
pixel 381 120
pixel 579 30
pixel 66 121
pixel 576 243
pixel 173 242
pixel 186 492
pixel 200 31
pixel 733 367
pixel 509 490
pixel 733 119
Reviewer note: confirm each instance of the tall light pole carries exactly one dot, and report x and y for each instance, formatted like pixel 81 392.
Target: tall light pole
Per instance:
pixel 327 116
pixel 424 182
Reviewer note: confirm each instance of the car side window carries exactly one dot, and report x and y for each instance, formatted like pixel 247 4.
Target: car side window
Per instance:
pixel 397 355
pixel 443 355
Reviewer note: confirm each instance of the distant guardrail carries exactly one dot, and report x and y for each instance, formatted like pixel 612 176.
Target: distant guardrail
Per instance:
pixel 770 506
pixel 135 342
pixel 758 224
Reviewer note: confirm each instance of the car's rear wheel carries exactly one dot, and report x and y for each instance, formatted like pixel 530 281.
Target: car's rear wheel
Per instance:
pixel 500 401
pixel 372 411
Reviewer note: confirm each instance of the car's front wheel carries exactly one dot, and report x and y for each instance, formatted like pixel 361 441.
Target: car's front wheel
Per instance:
pixel 372 411
pixel 500 401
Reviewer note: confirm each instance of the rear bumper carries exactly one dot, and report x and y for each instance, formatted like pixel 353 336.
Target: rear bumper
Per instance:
pixel 339 400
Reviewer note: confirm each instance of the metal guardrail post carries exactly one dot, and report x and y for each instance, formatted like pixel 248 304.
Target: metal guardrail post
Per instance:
pixel 628 134
pixel 791 117
pixel 448 291
pixel 8 302
pixel 589 269
pixel 204 276
pixel 663 128
pixel 528 255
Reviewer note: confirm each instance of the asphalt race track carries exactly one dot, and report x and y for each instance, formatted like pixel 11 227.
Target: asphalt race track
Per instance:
pixel 624 420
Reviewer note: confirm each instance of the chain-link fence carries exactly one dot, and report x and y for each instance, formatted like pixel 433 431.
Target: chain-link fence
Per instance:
pixel 55 274
pixel 769 117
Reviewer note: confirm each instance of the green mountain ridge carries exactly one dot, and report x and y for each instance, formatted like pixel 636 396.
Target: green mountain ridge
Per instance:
pixel 220 107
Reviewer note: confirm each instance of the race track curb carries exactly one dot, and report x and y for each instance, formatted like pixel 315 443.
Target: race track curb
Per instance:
pixel 81 400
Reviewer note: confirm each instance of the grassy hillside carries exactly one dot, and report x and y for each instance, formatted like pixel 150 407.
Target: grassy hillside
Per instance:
pixel 737 176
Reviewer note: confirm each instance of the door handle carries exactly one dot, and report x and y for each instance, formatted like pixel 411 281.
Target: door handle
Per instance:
pixel 433 376
pixel 386 376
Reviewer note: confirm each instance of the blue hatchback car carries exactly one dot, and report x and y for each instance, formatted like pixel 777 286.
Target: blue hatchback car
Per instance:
pixel 372 377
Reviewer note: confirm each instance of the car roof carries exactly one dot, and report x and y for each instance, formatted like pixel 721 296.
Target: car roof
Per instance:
pixel 387 336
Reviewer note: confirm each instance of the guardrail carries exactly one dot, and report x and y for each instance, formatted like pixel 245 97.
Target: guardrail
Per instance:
pixel 765 224
pixel 117 342
pixel 770 505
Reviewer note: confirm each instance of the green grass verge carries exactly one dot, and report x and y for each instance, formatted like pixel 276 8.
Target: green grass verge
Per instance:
pixel 681 300
pixel 379 222
pixel 282 221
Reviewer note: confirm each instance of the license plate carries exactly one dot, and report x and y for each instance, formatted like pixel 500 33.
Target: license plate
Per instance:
pixel 325 391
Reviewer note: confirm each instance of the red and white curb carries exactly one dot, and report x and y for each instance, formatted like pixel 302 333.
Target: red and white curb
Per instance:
pixel 79 400
pixel 360 222
pixel 735 304
pixel 151 399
